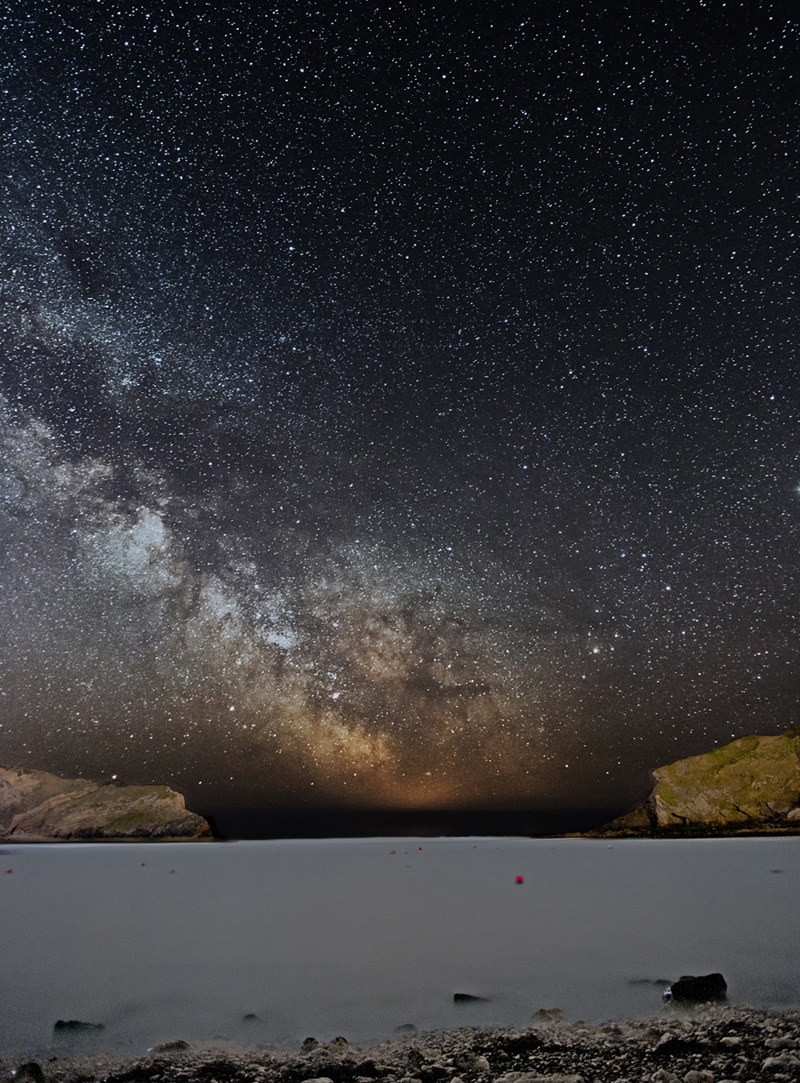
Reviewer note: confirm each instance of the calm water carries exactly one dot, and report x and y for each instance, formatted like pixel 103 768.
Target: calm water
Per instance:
pixel 341 936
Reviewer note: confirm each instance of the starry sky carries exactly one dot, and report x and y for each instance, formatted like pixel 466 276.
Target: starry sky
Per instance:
pixel 399 402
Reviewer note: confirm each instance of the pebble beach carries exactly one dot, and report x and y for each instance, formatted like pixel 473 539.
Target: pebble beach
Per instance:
pixel 706 1045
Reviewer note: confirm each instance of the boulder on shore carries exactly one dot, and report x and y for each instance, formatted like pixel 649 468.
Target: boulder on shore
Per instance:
pixel 35 806
pixel 750 783
pixel 697 989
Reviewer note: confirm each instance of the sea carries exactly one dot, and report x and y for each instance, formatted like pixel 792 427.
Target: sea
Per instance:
pixel 256 942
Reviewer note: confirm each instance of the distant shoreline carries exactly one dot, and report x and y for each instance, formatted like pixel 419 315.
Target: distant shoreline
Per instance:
pixel 590 836
pixel 597 835
pixel 693 832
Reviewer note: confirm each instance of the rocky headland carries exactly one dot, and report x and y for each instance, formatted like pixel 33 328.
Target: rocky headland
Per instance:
pixel 39 807
pixel 750 786
pixel 708 1045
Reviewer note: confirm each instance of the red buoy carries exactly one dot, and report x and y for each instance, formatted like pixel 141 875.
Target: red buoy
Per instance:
pixel 520 879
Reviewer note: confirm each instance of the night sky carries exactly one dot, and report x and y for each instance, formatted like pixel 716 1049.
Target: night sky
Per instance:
pixel 400 401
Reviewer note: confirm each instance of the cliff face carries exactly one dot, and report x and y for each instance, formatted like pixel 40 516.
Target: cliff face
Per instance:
pixel 754 778
pixel 35 805
pixel 22 790
pixel 751 782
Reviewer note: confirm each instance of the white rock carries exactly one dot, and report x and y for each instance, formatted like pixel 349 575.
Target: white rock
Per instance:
pixel 537 1077
pixel 785 1060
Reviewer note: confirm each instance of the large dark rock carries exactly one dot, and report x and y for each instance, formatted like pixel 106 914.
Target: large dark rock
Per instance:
pixel 701 989
pixel 35 805
pixel 31 1070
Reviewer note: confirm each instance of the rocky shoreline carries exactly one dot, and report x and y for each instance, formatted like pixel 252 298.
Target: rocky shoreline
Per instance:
pixel 705 1045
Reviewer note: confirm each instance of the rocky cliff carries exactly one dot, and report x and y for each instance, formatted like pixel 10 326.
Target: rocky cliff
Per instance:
pixel 752 783
pixel 35 805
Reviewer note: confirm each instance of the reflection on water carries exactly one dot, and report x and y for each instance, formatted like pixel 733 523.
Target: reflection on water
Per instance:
pixel 274 941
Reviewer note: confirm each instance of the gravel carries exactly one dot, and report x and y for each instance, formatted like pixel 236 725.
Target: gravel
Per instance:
pixel 712 1045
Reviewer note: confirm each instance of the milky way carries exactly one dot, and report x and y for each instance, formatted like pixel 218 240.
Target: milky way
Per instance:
pixel 399 407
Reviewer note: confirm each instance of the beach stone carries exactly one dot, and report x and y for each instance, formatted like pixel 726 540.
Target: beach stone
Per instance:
pixel 793 814
pixel 178 1046
pixel 435 1070
pixel 663 1076
pixel 467 1061
pixel 367 1067
pixel 548 1015
pixel 338 1045
pixel 309 1044
pixel 468 998
pixel 731 1040
pixel 75 1026
pixel 697 989
pixel 781 1043
pixel 783 1060
pixel 539 1077
pixel 30 1070
pixel 696 1076
pixel 318 1079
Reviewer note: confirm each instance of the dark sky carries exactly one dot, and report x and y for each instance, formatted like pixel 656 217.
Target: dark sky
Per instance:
pixel 400 402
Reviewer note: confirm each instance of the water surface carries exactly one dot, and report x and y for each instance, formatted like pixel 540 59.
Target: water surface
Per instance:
pixel 322 937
